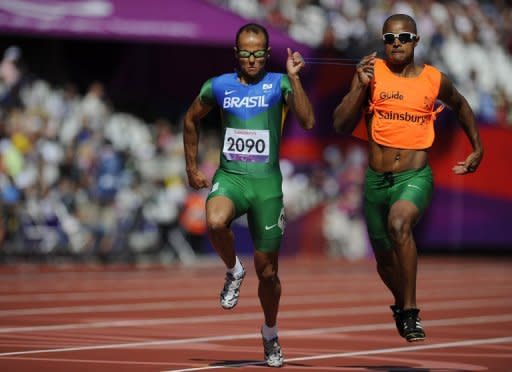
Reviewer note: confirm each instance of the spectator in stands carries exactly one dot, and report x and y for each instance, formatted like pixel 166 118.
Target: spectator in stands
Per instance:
pixel 14 76
pixel 398 121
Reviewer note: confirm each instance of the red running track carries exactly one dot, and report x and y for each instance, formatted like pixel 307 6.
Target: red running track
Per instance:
pixel 334 316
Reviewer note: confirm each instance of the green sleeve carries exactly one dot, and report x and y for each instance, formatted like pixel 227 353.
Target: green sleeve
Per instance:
pixel 286 87
pixel 206 94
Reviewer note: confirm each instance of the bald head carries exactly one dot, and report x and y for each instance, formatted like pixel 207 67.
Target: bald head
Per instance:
pixel 403 18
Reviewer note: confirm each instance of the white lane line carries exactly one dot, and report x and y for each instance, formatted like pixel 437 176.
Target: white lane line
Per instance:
pixel 291 333
pixel 295 300
pixel 131 294
pixel 134 344
pixel 444 345
pixel 101 295
pixel 485 272
pixel 181 304
pixel 120 363
pixel 284 314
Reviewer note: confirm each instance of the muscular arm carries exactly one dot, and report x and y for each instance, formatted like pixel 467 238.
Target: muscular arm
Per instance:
pixel 299 104
pixel 194 114
pixel 297 100
pixel 451 96
pixel 346 112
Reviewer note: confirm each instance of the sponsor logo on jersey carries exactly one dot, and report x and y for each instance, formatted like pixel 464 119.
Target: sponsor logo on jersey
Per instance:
pixel 245 102
pixel 391 95
pixel 266 87
pixel 404 116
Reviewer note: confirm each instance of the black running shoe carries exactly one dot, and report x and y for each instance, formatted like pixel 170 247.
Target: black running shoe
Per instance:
pixel 413 331
pixel 397 315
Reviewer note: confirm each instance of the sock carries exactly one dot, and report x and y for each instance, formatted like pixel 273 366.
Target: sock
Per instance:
pixel 237 269
pixel 269 333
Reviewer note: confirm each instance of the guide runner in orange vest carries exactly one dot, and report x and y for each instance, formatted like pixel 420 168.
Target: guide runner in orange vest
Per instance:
pixel 397 98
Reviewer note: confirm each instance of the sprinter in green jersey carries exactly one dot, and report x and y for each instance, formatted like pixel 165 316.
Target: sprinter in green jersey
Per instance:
pixel 253 105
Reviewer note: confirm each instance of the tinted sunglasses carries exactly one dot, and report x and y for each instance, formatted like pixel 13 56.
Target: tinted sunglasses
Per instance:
pixel 403 37
pixel 246 54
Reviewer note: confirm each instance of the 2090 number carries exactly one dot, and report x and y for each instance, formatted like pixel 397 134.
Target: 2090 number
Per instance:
pixel 247 145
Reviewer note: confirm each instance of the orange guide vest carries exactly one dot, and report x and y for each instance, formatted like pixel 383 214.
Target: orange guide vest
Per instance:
pixel 402 109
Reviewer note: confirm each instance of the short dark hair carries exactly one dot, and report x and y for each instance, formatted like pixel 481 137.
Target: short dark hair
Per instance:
pixel 254 28
pixel 403 18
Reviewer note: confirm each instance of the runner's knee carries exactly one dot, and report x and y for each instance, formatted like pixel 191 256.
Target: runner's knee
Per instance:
pixel 267 274
pixel 399 228
pixel 217 223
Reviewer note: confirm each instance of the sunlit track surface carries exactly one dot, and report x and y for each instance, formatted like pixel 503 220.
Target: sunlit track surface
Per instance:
pixel 334 315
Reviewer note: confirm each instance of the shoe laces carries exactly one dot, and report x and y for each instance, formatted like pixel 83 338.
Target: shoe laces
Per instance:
pixel 411 319
pixel 272 347
pixel 230 283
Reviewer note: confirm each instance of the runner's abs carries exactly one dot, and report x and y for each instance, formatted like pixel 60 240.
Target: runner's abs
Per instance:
pixel 387 159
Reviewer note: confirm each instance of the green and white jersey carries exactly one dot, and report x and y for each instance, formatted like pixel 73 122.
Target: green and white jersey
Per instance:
pixel 252 121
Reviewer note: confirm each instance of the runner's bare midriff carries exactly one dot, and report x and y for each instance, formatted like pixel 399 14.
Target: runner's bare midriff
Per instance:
pixel 384 159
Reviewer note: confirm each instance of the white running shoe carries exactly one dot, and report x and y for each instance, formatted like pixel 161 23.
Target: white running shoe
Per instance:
pixel 272 352
pixel 231 291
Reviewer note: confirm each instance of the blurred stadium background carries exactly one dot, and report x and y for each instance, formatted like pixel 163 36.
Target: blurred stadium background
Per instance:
pixel 93 94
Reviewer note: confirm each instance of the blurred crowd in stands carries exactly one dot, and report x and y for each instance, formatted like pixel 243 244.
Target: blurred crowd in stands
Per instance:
pixel 469 40
pixel 79 179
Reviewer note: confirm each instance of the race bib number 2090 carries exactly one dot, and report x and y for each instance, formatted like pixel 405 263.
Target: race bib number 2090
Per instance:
pixel 249 145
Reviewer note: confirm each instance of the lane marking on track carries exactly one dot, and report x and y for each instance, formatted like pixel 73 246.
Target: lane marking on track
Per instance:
pixel 200 304
pixel 444 345
pixel 293 333
pixel 287 314
pixel 184 293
